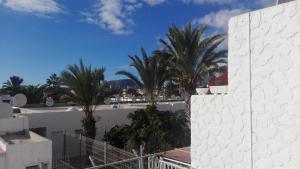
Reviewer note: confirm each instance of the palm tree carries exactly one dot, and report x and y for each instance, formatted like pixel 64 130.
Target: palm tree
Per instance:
pixel 34 93
pixel 151 71
pixel 53 88
pixel 13 85
pixel 53 80
pixel 84 85
pixel 193 56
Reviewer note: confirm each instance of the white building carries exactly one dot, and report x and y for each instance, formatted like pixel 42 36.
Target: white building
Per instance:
pixel 19 147
pixel 256 125
pixel 52 122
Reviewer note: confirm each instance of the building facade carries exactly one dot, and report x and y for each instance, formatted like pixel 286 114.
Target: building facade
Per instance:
pixel 255 125
pixel 19 147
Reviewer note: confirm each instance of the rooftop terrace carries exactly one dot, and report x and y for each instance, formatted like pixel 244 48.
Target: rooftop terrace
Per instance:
pixel 22 138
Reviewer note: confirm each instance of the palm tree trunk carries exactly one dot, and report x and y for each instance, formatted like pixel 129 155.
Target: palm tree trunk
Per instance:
pixel 89 127
pixel 187 99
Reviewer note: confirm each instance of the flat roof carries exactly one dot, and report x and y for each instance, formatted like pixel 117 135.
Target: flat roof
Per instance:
pixel 22 137
pixel 30 110
pixel 64 109
pixel 181 155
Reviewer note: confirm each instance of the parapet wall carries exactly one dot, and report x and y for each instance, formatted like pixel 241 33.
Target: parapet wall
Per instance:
pixel 256 125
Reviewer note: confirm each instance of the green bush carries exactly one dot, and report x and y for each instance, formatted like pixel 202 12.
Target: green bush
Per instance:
pixel 155 130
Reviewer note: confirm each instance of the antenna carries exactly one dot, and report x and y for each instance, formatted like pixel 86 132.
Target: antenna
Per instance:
pixel 49 102
pixel 19 100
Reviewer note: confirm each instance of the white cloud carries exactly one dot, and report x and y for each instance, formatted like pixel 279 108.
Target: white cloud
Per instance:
pixel 37 7
pixel 154 2
pixel 219 20
pixel 116 15
pixel 113 15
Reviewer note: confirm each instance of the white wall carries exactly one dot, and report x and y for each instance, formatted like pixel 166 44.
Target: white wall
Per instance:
pixel 220 124
pixel 2 155
pixel 275 86
pixel 70 121
pixel 20 156
pixel 255 126
pixel 61 121
pixel 12 124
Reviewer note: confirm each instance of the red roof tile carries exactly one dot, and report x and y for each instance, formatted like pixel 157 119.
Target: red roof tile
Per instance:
pixel 182 155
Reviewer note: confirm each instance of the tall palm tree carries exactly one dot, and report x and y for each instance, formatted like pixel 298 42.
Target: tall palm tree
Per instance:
pixel 53 88
pixel 34 93
pixel 151 71
pixel 13 85
pixel 84 85
pixel 53 80
pixel 194 55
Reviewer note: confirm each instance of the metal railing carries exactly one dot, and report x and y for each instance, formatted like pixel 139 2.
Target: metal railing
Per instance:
pixel 62 164
pixel 172 164
pixel 105 156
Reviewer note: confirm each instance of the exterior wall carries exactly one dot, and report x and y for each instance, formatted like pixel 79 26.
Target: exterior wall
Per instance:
pixel 22 152
pixel 275 86
pixel 256 125
pixel 11 124
pixel 2 153
pixel 24 155
pixel 58 122
pixel 70 121
pixel 221 124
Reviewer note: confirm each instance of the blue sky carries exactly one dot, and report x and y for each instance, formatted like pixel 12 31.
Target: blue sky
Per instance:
pixel 40 37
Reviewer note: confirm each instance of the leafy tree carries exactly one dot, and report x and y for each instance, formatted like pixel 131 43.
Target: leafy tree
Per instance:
pixel 53 80
pixel 84 84
pixel 118 136
pixel 155 130
pixel 13 85
pixel 172 88
pixel 151 71
pixel 53 88
pixel 34 93
pixel 194 55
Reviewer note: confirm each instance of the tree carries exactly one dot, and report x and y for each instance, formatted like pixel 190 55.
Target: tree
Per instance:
pixel 53 88
pixel 155 130
pixel 193 56
pixel 151 71
pixel 34 93
pixel 13 85
pixel 118 136
pixel 53 80
pixel 84 86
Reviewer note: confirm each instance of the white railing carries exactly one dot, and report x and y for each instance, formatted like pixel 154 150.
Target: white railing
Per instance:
pixel 172 164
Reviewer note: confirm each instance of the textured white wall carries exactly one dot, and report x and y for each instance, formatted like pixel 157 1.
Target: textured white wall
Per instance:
pixel 221 124
pixel 255 126
pixel 275 84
